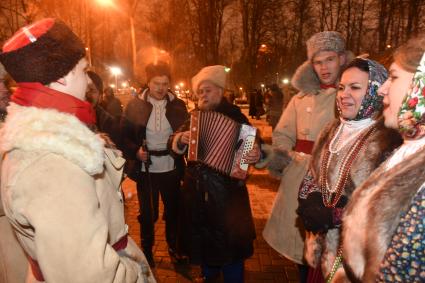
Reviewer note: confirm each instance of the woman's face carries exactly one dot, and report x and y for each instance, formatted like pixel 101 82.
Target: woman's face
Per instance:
pixel 352 89
pixel 394 90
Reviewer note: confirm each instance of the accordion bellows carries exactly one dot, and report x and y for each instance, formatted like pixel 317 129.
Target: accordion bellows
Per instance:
pixel 220 143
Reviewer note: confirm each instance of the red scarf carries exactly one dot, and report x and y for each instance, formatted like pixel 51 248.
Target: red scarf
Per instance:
pixel 323 86
pixel 37 95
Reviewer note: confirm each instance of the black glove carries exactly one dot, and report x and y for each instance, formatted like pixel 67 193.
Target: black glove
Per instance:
pixel 315 216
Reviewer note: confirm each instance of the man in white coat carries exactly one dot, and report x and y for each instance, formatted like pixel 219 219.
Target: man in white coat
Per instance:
pixel 293 138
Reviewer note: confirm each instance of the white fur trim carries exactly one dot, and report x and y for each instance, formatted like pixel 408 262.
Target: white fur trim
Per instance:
pixel 174 145
pixel 35 129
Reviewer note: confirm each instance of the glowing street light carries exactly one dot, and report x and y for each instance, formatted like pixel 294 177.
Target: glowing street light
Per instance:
pixel 177 87
pixel 112 85
pixel 389 46
pixel 285 81
pixel 116 71
pixel 262 85
pixel 106 2
pixel 181 84
pixel 227 69
pixel 124 84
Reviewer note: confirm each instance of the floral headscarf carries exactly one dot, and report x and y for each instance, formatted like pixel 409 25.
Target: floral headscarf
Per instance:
pixel 372 102
pixel 411 118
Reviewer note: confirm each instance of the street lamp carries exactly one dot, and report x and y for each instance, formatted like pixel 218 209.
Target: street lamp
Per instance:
pixel 116 71
pixel 88 55
pixel 106 2
pixel 285 81
pixel 130 15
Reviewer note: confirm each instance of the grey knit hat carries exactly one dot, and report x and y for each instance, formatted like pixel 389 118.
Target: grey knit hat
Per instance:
pixel 325 41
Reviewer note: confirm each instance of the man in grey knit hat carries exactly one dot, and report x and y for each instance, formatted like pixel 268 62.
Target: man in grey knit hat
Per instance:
pixel 294 136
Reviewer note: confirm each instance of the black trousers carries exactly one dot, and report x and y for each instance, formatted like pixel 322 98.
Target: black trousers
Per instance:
pixel 148 189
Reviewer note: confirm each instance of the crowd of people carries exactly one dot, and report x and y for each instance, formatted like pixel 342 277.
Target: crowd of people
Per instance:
pixel 348 149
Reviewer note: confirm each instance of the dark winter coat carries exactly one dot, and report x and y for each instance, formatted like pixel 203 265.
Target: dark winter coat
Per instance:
pixel 135 120
pixel 108 124
pixel 217 227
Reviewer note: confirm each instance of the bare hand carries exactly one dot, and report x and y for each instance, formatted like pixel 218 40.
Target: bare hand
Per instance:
pixel 184 138
pixel 253 155
pixel 142 155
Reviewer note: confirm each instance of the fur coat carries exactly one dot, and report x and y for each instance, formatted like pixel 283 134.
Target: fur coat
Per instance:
pixel 377 148
pixel 61 191
pixel 373 214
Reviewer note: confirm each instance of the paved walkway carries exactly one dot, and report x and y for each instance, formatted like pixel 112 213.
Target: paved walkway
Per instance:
pixel 265 266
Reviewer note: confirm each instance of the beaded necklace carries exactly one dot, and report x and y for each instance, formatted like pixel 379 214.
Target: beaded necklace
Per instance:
pixel 331 195
pixel 335 266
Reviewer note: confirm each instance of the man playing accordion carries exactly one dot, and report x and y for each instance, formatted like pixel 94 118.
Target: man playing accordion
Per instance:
pixel 217 228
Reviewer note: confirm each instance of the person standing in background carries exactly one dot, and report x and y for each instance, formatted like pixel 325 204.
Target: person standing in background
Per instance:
pixel 148 121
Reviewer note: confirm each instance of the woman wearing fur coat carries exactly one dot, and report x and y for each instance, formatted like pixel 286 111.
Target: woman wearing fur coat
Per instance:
pixel 60 181
pixel 345 154
pixel 383 225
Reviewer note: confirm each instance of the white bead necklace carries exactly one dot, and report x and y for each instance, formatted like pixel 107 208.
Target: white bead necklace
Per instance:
pixel 354 128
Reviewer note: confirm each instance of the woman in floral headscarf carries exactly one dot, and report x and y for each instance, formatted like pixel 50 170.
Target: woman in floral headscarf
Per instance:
pixel 347 151
pixel 383 231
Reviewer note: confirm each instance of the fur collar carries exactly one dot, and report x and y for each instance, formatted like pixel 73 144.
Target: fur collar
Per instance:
pixel 373 214
pixel 35 129
pixel 305 78
pixel 379 146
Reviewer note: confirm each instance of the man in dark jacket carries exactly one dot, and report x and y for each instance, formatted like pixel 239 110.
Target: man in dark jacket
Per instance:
pixel 217 229
pixel 148 121
pixel 105 122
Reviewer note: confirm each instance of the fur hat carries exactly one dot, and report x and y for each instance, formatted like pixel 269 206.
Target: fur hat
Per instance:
pixel 215 74
pixel 43 52
pixel 158 69
pixel 325 41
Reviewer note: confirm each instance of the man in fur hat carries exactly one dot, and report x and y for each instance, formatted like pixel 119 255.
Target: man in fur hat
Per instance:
pixel 294 136
pixel 149 120
pixel 60 181
pixel 217 227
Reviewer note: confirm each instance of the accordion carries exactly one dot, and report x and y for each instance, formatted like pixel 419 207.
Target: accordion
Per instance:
pixel 220 143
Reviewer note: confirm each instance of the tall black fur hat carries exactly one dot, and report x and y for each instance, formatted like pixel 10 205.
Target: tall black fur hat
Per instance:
pixel 44 52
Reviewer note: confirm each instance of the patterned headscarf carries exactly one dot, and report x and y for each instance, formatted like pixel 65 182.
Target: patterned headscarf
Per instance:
pixel 372 102
pixel 411 118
